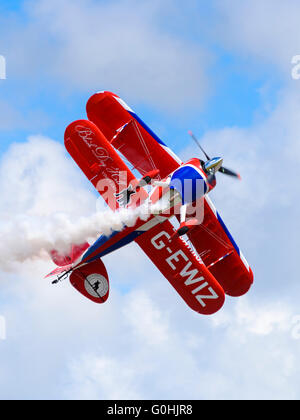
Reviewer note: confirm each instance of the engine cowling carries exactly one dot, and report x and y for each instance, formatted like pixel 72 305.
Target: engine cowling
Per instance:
pixel 91 280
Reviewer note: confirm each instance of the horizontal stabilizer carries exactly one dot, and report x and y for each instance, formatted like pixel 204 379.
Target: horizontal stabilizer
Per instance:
pixel 69 258
pixel 91 280
pixel 59 270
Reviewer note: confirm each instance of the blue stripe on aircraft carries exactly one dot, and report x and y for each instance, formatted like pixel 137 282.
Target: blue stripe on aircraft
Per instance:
pixel 148 129
pixel 99 242
pixel 103 239
pixel 228 234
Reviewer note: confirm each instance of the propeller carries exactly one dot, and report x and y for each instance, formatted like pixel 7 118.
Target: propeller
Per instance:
pixel 198 144
pixel 221 169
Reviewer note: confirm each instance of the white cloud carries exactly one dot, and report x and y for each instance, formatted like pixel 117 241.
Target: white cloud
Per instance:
pixel 256 320
pixel 249 355
pixel 96 377
pixel 120 46
pixel 37 182
pixel 39 179
pixel 148 323
pixel 266 30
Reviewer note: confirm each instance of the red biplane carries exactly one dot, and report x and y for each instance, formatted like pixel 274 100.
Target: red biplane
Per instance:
pixel 199 258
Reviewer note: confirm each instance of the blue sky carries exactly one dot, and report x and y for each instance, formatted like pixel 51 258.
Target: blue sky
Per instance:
pixel 234 97
pixel 222 71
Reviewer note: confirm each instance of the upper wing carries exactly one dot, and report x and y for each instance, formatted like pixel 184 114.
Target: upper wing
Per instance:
pixel 183 269
pixel 220 253
pixel 130 135
pixel 102 164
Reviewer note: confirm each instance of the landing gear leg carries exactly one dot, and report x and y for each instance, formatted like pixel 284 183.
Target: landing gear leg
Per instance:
pixel 185 226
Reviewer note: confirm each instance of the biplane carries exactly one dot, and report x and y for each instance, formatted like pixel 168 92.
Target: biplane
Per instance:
pixel 199 256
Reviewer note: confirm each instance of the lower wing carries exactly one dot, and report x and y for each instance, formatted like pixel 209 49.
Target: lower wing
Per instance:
pixel 183 269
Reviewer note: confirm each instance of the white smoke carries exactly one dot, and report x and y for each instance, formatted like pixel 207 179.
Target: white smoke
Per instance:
pixel 46 204
pixel 27 237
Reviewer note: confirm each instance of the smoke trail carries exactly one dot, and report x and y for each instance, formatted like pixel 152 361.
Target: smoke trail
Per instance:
pixel 27 237
pixel 40 208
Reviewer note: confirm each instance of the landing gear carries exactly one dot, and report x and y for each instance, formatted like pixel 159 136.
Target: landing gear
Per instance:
pixel 185 226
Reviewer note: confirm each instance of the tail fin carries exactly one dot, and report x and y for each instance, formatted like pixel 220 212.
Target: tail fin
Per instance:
pixel 63 260
pixel 91 280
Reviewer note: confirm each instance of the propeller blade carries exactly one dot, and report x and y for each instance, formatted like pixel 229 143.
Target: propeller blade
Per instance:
pixel 198 144
pixel 226 171
pixel 223 170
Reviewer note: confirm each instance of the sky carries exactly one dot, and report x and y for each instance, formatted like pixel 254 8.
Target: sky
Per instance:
pixel 222 70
